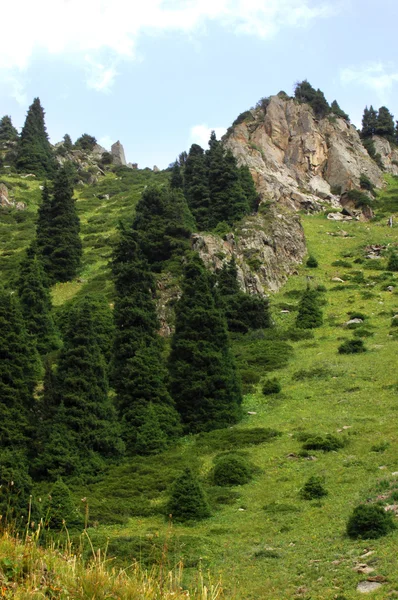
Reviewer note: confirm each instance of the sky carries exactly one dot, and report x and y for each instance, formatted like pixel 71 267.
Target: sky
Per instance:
pixel 159 75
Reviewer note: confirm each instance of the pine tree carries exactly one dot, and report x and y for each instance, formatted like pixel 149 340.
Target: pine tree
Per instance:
pixel 369 122
pixel 247 185
pixel 67 142
pixel 151 439
pixel 203 378
pixel 140 377
pixel 176 180
pixel 243 311
pixel 164 224
pixel 58 227
pixel 309 314
pixel 385 124
pixel 15 488
pixel 34 150
pixel 60 509
pixel 187 499
pixel 196 186
pixel 8 133
pixel 338 111
pixel 305 93
pixel 17 374
pixel 81 395
pixel 35 301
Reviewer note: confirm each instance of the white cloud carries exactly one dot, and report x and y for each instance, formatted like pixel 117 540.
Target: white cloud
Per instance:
pixel 106 142
pixel 200 134
pixel 89 29
pixel 14 86
pixel 376 75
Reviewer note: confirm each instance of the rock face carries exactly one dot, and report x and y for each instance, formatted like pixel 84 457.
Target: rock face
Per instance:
pixel 389 156
pixel 117 152
pixel 267 248
pixel 6 201
pixel 298 160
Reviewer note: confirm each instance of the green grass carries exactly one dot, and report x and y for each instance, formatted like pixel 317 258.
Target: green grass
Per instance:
pixel 264 539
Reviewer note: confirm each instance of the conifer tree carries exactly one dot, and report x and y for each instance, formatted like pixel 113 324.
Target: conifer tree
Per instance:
pixel 309 314
pixel 369 122
pixel 15 488
pixel 196 186
pixel 164 224
pixel 34 150
pixel 385 124
pixel 8 133
pixel 203 379
pixel 67 142
pixel 151 439
pixel 338 111
pixel 58 227
pixel 81 395
pixel 187 499
pixel 140 377
pixel 176 180
pixel 60 508
pixel 17 374
pixel 243 311
pixel 247 184
pixel 35 301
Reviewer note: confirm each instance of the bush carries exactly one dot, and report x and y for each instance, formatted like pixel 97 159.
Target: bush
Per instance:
pixel 352 347
pixel 327 443
pixel 313 489
pixel 187 499
pixel 369 521
pixel 312 262
pixel 392 264
pixel 271 386
pixel 309 313
pixel 342 263
pixel 365 183
pixel 232 470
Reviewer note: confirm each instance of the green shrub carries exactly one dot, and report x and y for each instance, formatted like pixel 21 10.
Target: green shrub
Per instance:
pixel 357 315
pixel 313 489
pixel 312 262
pixel 327 443
pixel 362 332
pixel 380 447
pixel 187 499
pixel 354 346
pixel 317 372
pixel 225 439
pixel 392 264
pixel 232 469
pixel 365 183
pixel 370 521
pixel 271 386
pixel 309 313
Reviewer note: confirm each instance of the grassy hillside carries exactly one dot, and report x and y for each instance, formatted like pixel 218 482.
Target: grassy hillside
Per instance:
pixel 263 538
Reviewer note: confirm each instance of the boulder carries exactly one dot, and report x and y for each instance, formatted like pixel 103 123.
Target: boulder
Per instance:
pixel 117 152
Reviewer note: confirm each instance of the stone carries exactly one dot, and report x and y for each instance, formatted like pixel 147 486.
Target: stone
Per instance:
pixel 353 322
pixel 365 587
pixel 155 169
pixel 117 152
pixel 338 279
pixel 250 412
pixel 390 288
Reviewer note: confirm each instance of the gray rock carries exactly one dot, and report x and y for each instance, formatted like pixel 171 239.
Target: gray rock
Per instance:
pixel 117 152
pixel 155 169
pixel 365 587
pixel 353 322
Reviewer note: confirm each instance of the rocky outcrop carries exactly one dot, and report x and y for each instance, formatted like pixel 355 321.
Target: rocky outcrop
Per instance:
pixel 388 155
pixel 267 248
pixel 6 201
pixel 298 160
pixel 117 152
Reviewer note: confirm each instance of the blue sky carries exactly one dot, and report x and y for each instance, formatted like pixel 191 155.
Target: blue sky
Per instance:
pixel 160 74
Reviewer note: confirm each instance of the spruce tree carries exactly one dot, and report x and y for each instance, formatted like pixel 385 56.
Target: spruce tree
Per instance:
pixel 369 122
pixel 17 374
pixel 34 150
pixel 60 508
pixel 58 227
pixel 203 380
pixel 243 311
pixel 385 124
pixel 151 439
pixel 196 186
pixel 164 224
pixel 67 142
pixel 8 133
pixel 247 185
pixel 81 395
pixel 176 180
pixel 338 111
pixel 187 499
pixel 309 314
pixel 35 301
pixel 139 375
pixel 15 488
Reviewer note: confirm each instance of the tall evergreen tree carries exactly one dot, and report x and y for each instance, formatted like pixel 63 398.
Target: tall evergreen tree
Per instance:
pixel 385 123
pixel 164 224
pixel 243 311
pixel 369 122
pixel 18 360
pixel 187 499
pixel 196 186
pixel 67 142
pixel 309 314
pixel 58 227
pixel 8 133
pixel 248 187
pixel 203 379
pixel 34 150
pixel 85 413
pixel 140 377
pixel 338 111
pixel 176 180
pixel 35 300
